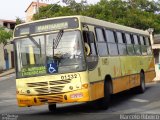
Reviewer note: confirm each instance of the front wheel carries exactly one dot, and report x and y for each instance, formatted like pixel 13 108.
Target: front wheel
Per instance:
pixel 52 107
pixel 105 101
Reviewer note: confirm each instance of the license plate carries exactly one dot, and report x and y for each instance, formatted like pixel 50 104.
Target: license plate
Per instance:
pixel 77 95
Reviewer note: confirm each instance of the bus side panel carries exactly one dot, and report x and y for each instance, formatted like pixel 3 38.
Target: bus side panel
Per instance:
pixel 111 66
pixel 97 83
pixel 120 84
pixel 97 90
pixel 106 66
pixel 130 67
pixel 150 72
pixel 149 76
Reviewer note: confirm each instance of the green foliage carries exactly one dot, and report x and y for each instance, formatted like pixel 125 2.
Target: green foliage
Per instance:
pixel 4 35
pixel 18 21
pixel 141 14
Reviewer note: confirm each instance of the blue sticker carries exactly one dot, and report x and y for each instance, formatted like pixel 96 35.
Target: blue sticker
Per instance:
pixel 52 67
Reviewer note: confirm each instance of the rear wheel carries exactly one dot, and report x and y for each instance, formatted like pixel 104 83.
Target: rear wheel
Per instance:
pixel 52 107
pixel 142 87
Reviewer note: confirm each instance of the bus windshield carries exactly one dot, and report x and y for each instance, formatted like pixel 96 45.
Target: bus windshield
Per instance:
pixel 36 54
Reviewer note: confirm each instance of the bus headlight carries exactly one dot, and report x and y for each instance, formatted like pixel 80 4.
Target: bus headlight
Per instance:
pixel 28 91
pixel 71 87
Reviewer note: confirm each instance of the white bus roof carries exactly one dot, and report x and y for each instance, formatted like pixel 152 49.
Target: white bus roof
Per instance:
pixel 97 22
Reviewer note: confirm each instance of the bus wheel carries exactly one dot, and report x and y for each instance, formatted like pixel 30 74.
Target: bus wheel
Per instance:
pixel 142 87
pixel 105 101
pixel 52 107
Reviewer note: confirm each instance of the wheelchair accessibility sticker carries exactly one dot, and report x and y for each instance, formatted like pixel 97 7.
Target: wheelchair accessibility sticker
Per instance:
pixel 52 68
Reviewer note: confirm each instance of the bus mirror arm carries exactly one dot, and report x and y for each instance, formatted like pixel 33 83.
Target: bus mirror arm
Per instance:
pixel 86 26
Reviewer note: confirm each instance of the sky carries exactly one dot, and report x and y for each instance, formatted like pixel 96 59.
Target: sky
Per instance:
pixel 11 9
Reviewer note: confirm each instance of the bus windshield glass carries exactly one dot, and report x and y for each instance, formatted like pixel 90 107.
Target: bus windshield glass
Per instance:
pixel 38 55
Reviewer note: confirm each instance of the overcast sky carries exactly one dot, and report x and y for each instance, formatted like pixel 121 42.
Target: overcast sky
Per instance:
pixel 10 9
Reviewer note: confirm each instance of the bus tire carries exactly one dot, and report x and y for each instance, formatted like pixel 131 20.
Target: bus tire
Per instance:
pixel 105 101
pixel 142 87
pixel 52 107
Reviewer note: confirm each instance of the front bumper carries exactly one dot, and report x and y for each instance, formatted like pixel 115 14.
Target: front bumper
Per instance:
pixel 69 97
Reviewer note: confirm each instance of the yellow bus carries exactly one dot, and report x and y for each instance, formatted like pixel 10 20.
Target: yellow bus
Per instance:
pixel 79 59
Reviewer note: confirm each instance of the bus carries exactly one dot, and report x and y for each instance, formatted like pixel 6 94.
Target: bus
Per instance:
pixel 79 59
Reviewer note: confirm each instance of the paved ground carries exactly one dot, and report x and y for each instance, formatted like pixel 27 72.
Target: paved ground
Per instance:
pixel 122 104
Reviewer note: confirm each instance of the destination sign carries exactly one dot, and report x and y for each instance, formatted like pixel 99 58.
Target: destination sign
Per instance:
pixel 49 27
pixel 46 26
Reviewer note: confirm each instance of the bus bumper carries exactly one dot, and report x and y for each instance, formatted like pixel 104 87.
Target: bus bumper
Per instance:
pixel 69 97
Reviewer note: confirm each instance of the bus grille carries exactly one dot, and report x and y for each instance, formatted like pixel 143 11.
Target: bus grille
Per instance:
pixel 59 82
pixel 51 99
pixel 37 84
pixel 45 90
pixel 49 87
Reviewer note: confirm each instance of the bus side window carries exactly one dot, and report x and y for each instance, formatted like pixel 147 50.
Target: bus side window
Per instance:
pixel 101 43
pixel 137 46
pixel 148 44
pixel 89 39
pixel 130 48
pixel 111 41
pixel 121 43
pixel 143 46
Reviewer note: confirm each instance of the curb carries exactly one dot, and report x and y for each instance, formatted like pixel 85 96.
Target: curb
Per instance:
pixel 156 81
pixel 6 74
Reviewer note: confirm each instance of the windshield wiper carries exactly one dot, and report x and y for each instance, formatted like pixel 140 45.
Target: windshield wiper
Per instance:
pixel 58 38
pixel 56 42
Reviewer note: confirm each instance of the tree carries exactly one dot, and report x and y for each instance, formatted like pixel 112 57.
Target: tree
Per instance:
pixel 144 5
pixel 5 35
pixel 141 14
pixel 19 21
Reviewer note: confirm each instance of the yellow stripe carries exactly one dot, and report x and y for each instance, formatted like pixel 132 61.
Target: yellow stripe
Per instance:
pixel 31 55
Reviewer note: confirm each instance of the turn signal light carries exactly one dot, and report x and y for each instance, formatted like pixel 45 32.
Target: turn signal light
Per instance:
pixel 17 92
pixel 85 85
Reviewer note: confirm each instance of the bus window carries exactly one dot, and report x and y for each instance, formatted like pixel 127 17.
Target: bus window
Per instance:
pixel 141 40
pixel 112 46
pixel 121 44
pixel 100 36
pixel 143 46
pixel 130 47
pixel 91 38
pixel 31 55
pixel 101 43
pixel 135 39
pixel 25 57
pixel 147 41
pixel 148 44
pixel 137 46
pixel 92 59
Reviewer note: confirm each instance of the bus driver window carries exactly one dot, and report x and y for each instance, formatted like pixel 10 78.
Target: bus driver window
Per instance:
pixel 90 49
